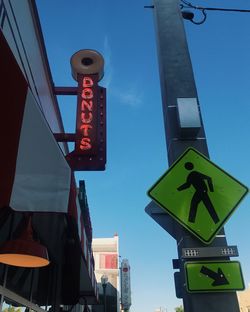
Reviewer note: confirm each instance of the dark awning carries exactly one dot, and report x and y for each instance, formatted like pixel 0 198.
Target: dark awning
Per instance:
pixel 34 173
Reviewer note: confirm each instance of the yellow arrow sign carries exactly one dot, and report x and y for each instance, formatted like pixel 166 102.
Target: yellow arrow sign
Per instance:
pixel 210 276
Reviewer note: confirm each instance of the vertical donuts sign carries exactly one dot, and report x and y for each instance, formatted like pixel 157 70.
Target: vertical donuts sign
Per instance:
pixel 87 115
pixel 90 137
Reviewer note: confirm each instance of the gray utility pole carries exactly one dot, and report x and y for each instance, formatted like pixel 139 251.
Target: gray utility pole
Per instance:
pixel 184 128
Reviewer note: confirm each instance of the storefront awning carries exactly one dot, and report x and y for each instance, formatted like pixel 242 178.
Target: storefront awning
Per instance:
pixel 34 175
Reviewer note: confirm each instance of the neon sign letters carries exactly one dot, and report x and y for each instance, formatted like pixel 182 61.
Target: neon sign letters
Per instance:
pixel 90 136
pixel 87 115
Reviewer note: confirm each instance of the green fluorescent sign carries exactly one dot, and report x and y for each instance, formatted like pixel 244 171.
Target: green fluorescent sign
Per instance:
pixel 198 194
pixel 208 276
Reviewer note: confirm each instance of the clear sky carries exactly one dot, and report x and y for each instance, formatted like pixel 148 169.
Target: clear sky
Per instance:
pixel 123 31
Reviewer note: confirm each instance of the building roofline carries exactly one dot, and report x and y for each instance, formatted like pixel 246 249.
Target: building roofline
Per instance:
pixel 41 42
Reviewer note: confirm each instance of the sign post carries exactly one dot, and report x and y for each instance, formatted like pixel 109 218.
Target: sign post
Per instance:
pixel 184 129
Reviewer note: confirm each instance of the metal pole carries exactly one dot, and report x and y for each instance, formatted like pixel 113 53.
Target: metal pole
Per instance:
pixel 177 81
pixel 104 297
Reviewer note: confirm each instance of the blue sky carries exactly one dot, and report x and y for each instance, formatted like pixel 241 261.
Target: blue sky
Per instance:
pixel 124 33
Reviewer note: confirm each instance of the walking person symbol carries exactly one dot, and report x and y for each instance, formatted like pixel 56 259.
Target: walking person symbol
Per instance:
pixel 197 180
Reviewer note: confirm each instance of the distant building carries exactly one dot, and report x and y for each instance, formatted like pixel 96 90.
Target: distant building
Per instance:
pixel 244 300
pixel 106 255
pixel 161 309
pixel 125 285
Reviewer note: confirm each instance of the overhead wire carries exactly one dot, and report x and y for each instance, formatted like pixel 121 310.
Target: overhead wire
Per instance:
pixel 190 16
pixel 190 5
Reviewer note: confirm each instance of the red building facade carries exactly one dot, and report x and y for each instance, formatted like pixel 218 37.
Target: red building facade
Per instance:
pixel 36 180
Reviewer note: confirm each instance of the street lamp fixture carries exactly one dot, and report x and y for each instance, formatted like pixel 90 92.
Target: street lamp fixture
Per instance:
pixel 104 281
pixel 188 15
pixel 24 251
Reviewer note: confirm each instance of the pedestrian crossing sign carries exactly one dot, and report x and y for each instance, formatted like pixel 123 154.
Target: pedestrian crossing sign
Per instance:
pixel 198 194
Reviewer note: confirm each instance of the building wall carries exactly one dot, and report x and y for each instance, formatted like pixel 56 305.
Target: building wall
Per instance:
pixel 20 25
pixel 244 300
pixel 106 255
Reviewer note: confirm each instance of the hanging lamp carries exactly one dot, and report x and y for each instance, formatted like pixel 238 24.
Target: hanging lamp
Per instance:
pixel 24 251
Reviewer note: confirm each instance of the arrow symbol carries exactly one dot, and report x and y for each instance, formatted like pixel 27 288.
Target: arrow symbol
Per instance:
pixel 218 277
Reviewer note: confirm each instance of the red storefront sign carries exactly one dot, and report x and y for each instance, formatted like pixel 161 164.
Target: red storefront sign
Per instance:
pixel 87 116
pixel 90 136
pixel 108 261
